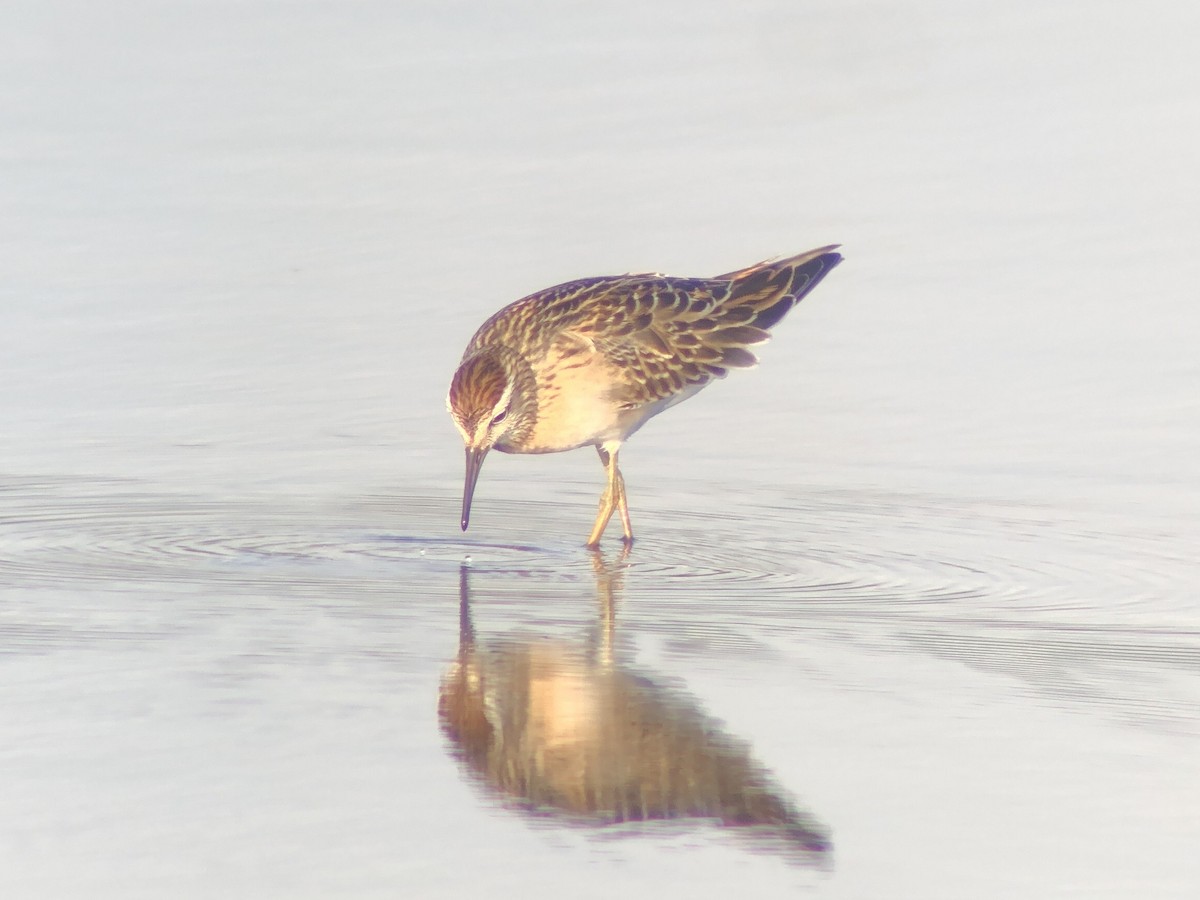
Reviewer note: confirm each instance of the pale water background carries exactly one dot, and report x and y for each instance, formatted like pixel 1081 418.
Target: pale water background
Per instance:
pixel 934 562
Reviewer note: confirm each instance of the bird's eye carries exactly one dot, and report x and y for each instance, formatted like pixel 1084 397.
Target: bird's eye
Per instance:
pixel 500 418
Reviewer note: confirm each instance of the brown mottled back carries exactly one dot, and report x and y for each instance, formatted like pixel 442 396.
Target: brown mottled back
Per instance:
pixel 667 333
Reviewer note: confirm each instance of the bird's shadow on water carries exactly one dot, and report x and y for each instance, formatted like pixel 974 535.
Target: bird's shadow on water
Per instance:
pixel 566 732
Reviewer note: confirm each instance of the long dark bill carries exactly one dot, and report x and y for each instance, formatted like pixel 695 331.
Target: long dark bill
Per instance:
pixel 474 462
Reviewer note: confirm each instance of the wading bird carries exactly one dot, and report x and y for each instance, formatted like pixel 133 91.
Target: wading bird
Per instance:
pixel 588 362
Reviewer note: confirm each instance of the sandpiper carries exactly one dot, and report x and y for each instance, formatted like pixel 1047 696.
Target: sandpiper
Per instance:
pixel 588 362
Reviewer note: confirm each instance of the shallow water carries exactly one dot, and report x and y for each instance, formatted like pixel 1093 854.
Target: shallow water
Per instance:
pixel 913 609
pixel 243 691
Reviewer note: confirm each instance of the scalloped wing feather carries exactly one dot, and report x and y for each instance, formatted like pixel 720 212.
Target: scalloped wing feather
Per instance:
pixel 666 334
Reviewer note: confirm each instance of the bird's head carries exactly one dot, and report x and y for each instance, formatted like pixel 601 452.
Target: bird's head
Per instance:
pixel 490 401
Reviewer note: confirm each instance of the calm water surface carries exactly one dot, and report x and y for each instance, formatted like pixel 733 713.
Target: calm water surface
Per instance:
pixel 914 607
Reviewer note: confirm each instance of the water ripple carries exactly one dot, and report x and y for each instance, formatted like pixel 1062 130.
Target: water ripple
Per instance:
pixel 923 553
pixel 1057 598
pixel 63 534
pixel 844 552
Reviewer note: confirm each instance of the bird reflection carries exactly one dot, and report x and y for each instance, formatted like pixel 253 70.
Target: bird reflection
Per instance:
pixel 564 729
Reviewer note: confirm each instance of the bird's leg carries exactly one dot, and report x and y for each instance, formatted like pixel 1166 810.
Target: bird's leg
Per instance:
pixel 608 499
pixel 611 500
pixel 622 504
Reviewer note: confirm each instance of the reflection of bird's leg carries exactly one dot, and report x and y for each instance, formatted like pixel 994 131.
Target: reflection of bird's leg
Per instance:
pixel 609 582
pixel 466 630
pixel 613 498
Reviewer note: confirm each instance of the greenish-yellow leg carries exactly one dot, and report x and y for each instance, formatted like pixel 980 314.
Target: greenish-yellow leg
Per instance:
pixel 613 499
